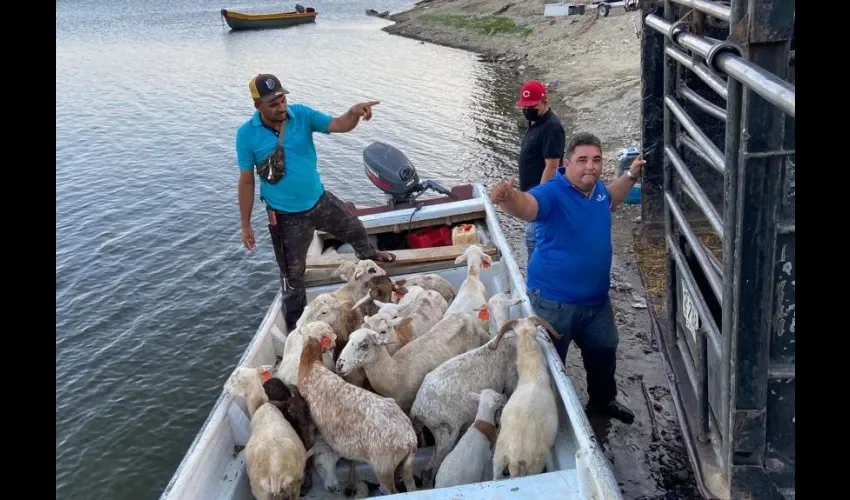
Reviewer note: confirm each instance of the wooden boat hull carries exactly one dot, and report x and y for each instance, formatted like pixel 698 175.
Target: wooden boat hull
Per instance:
pixel 239 21
pixel 576 468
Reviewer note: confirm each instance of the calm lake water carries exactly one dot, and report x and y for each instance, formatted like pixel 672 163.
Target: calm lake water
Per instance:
pixel 155 297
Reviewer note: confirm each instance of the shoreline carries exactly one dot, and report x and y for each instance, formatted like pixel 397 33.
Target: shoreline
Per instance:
pixel 603 99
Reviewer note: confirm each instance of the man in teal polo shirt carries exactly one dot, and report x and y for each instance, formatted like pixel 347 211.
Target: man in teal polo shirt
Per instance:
pixel 277 141
pixel 570 270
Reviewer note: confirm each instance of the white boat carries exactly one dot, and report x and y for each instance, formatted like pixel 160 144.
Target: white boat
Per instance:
pixel 214 466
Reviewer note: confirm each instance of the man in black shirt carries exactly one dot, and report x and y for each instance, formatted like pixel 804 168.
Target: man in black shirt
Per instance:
pixel 542 148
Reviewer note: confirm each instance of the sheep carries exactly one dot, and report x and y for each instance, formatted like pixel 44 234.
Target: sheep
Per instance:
pixel 440 404
pixel 471 460
pixel 382 289
pixel 295 410
pixel 356 277
pixel 356 423
pixel 427 311
pixel 248 383
pixel 530 418
pixel 431 282
pixel 400 375
pixel 472 293
pixel 274 455
pixel 287 370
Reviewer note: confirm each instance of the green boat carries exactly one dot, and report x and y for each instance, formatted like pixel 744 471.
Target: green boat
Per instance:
pixel 240 21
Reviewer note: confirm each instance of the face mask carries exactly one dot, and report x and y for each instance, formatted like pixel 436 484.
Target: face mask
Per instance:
pixel 530 114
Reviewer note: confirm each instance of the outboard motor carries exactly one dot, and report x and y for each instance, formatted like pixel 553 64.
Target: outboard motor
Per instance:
pixel 391 171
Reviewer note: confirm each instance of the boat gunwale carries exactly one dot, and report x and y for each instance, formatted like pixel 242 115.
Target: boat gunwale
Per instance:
pixel 600 470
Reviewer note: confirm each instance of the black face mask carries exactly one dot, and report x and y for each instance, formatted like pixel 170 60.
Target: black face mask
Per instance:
pixel 530 114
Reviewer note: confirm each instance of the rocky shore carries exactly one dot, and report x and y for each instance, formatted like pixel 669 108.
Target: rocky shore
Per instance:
pixel 592 67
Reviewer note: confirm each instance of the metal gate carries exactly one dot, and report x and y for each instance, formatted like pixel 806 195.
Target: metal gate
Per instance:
pixel 718 113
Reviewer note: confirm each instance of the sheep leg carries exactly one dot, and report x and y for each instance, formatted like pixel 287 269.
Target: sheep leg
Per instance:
pixel 294 490
pixel 499 462
pixel 351 488
pixel 387 480
pixel 407 472
pixel 444 439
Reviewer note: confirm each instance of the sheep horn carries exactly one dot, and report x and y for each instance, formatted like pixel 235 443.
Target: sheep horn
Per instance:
pixel 538 321
pixel 366 298
pixel 505 328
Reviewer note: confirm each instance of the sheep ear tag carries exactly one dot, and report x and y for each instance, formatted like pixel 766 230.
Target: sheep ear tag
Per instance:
pixel 326 342
pixel 265 375
pixel 485 264
pixel 484 315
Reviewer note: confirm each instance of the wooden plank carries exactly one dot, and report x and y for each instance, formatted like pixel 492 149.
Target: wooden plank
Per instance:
pixel 397 228
pixel 403 257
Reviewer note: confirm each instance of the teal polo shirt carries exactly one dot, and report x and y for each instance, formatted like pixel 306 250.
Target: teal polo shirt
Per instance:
pixel 301 186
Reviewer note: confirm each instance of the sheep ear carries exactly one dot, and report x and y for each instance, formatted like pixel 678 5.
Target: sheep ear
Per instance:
pixel 381 340
pixel 379 303
pixel 400 282
pixel 460 259
pixel 474 395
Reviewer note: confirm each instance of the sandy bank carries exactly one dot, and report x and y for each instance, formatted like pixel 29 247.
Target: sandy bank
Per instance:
pixel 592 65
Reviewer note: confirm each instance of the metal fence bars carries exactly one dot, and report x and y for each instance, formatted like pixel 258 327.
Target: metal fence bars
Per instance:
pixel 719 100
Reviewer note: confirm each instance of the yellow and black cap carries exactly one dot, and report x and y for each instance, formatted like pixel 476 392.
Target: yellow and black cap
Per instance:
pixel 266 87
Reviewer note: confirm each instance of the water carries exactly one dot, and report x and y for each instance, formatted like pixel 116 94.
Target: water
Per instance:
pixel 155 298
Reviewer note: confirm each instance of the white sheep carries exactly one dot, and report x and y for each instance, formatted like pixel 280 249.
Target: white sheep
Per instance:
pixel 529 420
pixel 356 423
pixel 400 375
pixel 426 311
pixel 471 459
pixel 274 455
pixel 288 368
pixel 440 403
pixel 431 281
pixel 248 383
pixel 472 293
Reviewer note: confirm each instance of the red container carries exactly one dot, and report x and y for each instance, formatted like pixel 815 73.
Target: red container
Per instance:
pixel 429 237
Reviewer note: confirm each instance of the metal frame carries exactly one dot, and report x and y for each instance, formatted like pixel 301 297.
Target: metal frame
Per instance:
pixel 728 332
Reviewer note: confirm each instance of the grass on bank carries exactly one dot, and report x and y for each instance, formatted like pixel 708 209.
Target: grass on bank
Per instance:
pixel 488 25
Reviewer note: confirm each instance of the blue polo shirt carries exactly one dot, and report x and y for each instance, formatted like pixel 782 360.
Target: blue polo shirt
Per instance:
pixel 572 260
pixel 301 186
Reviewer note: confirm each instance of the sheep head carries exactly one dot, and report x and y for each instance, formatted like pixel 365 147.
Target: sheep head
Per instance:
pixel 243 379
pixel 499 305
pixel 345 270
pixel 366 269
pixel 475 258
pixel 325 307
pixel 526 325
pixel 325 460
pixel 361 349
pixel 322 332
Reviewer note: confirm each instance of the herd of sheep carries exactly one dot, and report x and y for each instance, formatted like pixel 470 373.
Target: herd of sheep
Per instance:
pixel 372 364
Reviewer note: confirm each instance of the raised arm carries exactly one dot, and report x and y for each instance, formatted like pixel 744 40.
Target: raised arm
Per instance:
pixel 351 118
pixel 619 187
pixel 514 201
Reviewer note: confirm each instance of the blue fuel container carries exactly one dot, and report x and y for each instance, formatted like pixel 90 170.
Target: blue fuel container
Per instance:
pixel 627 156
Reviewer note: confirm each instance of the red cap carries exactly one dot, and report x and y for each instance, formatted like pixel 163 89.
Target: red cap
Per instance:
pixel 531 93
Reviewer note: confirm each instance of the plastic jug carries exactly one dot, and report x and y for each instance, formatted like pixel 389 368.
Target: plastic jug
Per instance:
pixel 627 156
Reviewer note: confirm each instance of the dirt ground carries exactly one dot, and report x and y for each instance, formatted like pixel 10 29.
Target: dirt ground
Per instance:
pixel 592 66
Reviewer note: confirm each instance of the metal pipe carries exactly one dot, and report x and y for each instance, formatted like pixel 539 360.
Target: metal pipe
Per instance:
pixel 710 78
pixel 698 135
pixel 699 249
pixel 764 83
pixel 711 8
pixel 703 103
pixel 696 191
pixel 689 143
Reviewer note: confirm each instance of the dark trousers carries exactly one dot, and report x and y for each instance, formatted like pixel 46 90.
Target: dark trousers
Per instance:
pixel 594 332
pixel 292 236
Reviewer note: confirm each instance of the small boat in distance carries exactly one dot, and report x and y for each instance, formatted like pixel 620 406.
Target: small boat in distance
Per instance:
pixel 239 21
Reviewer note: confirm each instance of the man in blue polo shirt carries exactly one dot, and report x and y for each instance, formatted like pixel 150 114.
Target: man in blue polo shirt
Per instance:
pixel 277 141
pixel 569 272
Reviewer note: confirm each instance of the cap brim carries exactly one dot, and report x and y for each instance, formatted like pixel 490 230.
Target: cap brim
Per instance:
pixel 524 103
pixel 274 95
